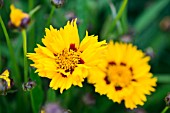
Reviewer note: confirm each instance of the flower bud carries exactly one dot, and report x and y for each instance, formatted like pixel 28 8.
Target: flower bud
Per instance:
pixel 54 108
pixel 18 19
pixel 3 87
pixel 57 3
pixel 126 38
pixel 165 24
pixel 167 99
pixel 71 16
pixel 5 82
pixel 150 52
pixel 89 99
pixel 29 85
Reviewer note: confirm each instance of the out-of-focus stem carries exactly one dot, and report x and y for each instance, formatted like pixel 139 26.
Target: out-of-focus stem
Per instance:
pixel 50 16
pixel 165 109
pixel 163 78
pixel 11 51
pixel 30 4
pixel 24 36
pixel 33 11
pixel 118 24
pixel 122 8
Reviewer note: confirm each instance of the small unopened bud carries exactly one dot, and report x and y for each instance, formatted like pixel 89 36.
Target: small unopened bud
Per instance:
pixel 3 87
pixel 29 85
pixel 58 3
pixel 18 18
pixel 1 3
pixel 167 100
pixel 5 83
pixel 24 23
pixel 89 99
pixel 149 52
pixel 165 24
pixel 126 38
pixel 54 108
pixel 70 16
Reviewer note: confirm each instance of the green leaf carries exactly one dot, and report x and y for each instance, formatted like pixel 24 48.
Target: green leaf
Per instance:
pixel 82 16
pixel 150 14
pixel 51 95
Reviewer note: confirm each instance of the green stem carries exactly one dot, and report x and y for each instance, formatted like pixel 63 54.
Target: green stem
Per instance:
pixel 50 17
pixel 163 78
pixel 24 36
pixel 122 8
pixel 32 102
pixel 124 21
pixel 33 11
pixel 30 2
pixel 165 109
pixel 12 55
pixel 118 24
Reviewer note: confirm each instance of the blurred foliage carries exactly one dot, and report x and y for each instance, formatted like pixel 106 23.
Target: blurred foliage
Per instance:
pixel 141 23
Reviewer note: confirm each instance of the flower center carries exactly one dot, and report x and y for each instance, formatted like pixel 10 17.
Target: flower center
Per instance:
pixel 68 59
pixel 119 74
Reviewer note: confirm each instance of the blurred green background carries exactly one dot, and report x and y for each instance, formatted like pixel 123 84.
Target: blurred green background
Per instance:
pixel 145 23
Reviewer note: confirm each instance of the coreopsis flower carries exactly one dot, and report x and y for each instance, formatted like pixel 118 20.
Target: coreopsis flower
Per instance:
pixel 18 19
pixel 124 75
pixel 64 59
pixel 5 82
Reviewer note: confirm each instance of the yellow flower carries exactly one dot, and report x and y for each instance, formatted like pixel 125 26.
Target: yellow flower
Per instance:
pixel 63 59
pixel 124 75
pixel 5 76
pixel 18 18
